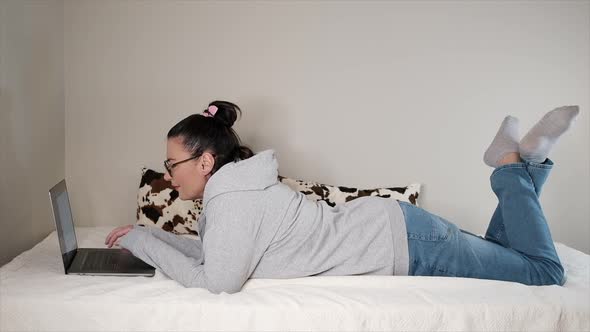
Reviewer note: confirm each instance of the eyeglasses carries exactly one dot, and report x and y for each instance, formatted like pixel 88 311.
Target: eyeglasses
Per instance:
pixel 170 166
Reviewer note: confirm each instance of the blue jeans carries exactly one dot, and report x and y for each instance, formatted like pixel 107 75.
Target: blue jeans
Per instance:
pixel 517 246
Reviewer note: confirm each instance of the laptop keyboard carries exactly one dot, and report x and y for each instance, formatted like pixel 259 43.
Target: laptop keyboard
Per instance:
pixel 99 261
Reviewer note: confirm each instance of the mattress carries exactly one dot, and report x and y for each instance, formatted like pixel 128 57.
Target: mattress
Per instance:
pixel 35 294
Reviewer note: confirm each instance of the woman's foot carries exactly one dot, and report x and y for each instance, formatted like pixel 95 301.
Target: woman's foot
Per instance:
pixel 504 144
pixel 537 143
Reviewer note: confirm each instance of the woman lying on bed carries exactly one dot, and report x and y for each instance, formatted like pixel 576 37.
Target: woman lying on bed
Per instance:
pixel 253 226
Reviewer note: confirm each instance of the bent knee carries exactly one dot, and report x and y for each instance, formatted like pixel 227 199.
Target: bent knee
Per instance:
pixel 549 273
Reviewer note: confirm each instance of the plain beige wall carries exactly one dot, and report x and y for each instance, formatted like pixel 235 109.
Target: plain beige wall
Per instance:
pixel 32 146
pixel 350 93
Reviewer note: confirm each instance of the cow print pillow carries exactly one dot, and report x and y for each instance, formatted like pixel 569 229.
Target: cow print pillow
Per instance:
pixel 158 204
pixel 338 194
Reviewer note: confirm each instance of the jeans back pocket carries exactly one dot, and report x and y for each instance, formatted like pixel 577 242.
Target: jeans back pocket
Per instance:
pixel 425 226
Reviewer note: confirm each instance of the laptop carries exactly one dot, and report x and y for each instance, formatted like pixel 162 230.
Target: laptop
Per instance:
pixel 89 261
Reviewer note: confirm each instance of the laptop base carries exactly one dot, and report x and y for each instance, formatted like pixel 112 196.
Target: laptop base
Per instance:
pixel 108 262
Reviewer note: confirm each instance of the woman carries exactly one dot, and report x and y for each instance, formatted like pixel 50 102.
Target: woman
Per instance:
pixel 253 226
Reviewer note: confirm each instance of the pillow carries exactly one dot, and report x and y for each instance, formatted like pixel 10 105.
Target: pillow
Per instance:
pixel 338 194
pixel 158 204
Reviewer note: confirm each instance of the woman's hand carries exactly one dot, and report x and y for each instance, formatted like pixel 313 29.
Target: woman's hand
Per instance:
pixel 116 234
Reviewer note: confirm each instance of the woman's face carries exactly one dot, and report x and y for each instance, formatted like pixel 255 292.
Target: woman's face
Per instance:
pixel 190 177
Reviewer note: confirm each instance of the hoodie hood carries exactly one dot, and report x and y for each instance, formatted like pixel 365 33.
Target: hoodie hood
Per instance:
pixel 255 173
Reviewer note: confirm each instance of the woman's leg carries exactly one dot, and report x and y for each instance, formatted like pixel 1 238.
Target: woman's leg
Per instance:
pixel 495 231
pixel 534 147
pixel 518 245
pixel 502 150
pixel 439 248
pixel 525 226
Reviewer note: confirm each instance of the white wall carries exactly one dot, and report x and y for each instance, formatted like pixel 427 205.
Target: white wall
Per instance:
pixel 32 143
pixel 350 93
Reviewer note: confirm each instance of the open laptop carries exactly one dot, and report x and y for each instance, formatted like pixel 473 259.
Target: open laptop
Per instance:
pixel 89 261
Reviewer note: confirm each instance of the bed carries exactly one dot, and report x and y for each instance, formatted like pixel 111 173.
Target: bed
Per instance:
pixel 35 294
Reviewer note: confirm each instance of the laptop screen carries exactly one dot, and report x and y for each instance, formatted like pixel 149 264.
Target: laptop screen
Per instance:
pixel 65 220
pixel 64 223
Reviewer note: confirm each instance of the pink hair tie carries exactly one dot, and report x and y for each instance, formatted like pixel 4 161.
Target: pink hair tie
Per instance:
pixel 210 112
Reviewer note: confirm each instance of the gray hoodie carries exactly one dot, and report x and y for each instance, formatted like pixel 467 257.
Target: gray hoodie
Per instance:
pixel 253 226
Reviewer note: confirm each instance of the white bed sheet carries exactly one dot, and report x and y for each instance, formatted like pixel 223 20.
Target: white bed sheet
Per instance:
pixel 35 294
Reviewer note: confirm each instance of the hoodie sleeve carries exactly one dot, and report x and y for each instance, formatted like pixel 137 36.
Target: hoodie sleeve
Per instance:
pixel 189 247
pixel 228 251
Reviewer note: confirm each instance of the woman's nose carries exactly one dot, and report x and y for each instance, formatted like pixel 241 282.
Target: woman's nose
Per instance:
pixel 167 176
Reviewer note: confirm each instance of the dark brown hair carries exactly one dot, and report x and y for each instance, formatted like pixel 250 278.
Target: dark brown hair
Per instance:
pixel 202 133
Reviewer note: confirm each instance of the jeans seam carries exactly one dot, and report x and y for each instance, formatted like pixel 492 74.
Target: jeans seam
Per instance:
pixel 429 267
pixel 428 237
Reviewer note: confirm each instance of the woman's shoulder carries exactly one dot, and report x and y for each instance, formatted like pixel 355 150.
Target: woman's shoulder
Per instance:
pixel 236 200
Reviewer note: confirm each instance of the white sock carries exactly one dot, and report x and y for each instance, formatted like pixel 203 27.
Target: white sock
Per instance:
pixel 506 141
pixel 537 143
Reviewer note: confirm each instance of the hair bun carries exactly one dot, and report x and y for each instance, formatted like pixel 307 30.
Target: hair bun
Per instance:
pixel 227 112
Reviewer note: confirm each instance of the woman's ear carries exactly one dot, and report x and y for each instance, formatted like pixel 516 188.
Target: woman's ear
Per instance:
pixel 207 162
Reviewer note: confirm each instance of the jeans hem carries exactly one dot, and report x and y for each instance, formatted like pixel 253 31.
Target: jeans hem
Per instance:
pixel 547 164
